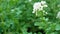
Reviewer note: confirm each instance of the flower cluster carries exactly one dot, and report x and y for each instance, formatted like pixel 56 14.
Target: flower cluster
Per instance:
pixel 38 6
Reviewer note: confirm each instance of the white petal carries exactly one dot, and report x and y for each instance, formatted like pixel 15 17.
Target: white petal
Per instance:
pixel 43 2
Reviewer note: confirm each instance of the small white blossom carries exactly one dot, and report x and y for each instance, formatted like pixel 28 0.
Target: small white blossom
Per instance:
pixel 43 2
pixel 58 15
pixel 38 6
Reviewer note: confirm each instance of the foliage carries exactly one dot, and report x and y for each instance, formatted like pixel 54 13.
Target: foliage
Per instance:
pixel 16 17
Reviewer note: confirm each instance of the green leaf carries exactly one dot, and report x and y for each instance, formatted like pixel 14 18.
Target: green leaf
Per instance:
pixel 57 27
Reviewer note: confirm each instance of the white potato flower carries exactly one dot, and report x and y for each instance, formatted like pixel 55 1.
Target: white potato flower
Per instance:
pixel 38 6
pixel 58 15
pixel 43 3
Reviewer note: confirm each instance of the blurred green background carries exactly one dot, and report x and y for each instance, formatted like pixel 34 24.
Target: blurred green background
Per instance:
pixel 16 17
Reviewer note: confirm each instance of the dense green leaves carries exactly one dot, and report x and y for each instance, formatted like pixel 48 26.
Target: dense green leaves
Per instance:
pixel 16 17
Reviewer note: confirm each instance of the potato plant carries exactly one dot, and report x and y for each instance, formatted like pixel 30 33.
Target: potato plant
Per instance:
pixel 17 17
